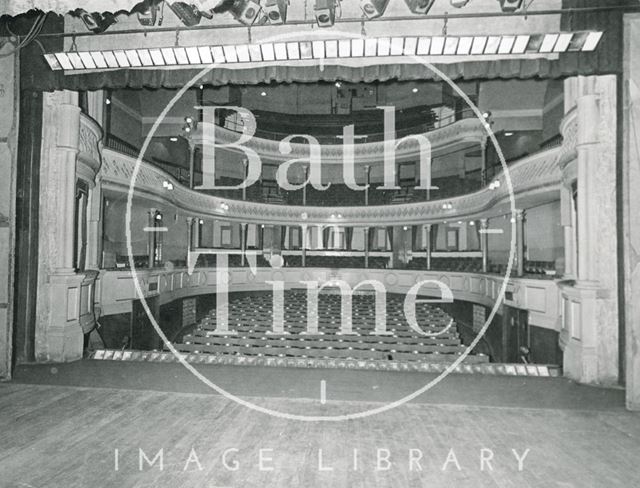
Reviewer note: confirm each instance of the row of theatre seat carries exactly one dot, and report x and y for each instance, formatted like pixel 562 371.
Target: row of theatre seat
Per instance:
pixel 250 321
pixel 545 269
pixel 466 265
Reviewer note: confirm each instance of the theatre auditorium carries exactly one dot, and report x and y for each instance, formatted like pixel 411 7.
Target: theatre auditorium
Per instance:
pixel 300 243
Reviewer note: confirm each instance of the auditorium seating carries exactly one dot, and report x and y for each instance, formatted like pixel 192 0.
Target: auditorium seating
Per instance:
pixel 250 316
pixel 540 268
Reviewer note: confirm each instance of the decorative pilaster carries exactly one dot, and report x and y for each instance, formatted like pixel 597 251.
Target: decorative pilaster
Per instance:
pixel 64 297
pixel 589 335
pixel 65 152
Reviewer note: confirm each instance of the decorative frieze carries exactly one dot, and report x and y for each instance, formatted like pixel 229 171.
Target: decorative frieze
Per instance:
pixel 530 174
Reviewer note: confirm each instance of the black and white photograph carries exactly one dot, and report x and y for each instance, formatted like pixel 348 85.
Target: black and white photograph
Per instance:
pixel 319 243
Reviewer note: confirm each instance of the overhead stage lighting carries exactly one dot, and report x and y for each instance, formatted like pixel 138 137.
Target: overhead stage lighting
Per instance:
pixel 325 11
pixel 373 8
pixel 95 22
pixel 510 5
pixel 188 14
pixel 147 12
pixel 275 10
pixel 420 6
pixel 245 11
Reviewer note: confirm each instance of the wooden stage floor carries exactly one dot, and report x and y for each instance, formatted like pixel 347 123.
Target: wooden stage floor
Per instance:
pixel 65 433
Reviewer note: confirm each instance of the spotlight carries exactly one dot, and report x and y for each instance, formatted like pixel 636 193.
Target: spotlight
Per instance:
pixel 263 94
pixel 188 14
pixel 510 5
pixel 420 6
pixel 338 84
pixel 373 8
pixel 95 22
pixel 325 11
pixel 459 3
pixel 275 10
pixel 508 134
pixel 245 11
pixel 173 139
pixel 415 90
pixel 486 114
pixel 147 12
pixel 158 216
pixel 201 222
pixel 107 101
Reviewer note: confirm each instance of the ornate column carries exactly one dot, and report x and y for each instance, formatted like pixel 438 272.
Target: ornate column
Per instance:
pixel 483 170
pixel 189 234
pixel 304 245
pixel 428 245
pixel 66 151
pixel 590 331
pixel 63 297
pixel 366 247
pixel 484 244
pixel 568 221
pixel 243 243
pixel 519 242
pixel 151 237
pixel 304 188
pixel 245 163
pixel 587 161
pixel 196 232
pixel 367 170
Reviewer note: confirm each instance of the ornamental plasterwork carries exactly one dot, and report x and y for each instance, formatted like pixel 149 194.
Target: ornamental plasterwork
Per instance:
pixel 89 143
pixel 569 131
pixel 465 130
pixel 530 173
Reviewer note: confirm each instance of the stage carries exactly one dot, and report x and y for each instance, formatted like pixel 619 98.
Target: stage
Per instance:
pixel 94 423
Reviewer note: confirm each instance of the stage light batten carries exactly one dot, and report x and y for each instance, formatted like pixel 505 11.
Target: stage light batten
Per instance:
pixel 498 45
